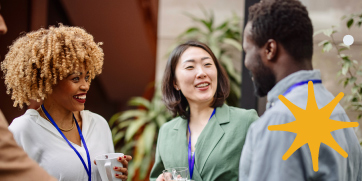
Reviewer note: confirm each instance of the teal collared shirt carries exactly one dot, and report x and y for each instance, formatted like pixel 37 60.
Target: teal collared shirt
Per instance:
pixel 218 147
pixel 261 157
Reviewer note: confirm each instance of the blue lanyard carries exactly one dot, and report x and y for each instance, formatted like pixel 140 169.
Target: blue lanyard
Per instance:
pixel 81 137
pixel 192 158
pixel 315 81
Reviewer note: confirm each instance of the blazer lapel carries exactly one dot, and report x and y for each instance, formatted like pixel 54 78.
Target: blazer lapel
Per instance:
pixel 196 175
pixel 210 136
pixel 179 144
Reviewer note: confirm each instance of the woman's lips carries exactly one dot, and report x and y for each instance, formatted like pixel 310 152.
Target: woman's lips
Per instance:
pixel 203 88
pixel 80 98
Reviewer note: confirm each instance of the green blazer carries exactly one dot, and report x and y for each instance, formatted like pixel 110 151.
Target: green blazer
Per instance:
pixel 218 147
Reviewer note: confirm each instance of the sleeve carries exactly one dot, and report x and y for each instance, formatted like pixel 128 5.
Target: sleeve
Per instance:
pixel 14 162
pixel 262 154
pixel 158 166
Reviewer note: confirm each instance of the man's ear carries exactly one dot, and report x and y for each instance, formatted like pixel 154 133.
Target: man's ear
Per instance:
pixel 269 51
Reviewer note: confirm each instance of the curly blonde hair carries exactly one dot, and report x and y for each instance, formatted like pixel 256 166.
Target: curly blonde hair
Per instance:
pixel 38 60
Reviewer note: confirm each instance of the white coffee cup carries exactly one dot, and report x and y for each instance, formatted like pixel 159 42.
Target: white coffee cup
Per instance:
pixel 106 163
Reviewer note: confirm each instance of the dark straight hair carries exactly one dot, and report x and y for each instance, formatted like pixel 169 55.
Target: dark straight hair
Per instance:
pixel 175 101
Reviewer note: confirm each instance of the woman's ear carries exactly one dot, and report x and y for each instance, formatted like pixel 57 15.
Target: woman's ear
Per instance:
pixel 175 85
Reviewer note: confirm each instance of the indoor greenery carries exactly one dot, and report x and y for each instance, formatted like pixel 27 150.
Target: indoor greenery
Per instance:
pixel 350 70
pixel 135 131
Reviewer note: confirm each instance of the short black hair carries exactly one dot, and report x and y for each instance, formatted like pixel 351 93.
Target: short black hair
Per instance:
pixel 174 100
pixel 285 21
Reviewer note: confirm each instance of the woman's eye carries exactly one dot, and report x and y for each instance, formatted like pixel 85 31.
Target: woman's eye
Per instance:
pixel 87 78
pixel 75 79
pixel 189 67
pixel 208 64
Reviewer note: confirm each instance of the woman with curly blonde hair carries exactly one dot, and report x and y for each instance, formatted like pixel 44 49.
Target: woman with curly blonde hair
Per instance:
pixel 56 66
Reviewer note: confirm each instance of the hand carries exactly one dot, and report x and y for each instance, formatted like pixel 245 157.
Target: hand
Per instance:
pixel 124 170
pixel 160 178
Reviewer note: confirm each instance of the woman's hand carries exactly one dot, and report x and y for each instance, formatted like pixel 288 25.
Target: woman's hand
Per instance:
pixel 160 178
pixel 124 170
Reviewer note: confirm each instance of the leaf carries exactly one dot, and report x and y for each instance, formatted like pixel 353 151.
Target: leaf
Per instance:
pixel 160 120
pixel 323 42
pixel 131 170
pixel 146 161
pixel 207 24
pixel 359 72
pixel 132 114
pixel 118 137
pixel 344 45
pixel 139 101
pixel 342 49
pixel 139 152
pixel 222 26
pixel 352 80
pixel 233 43
pixel 327 47
pixel 317 32
pixel 236 89
pixel 350 23
pixel 127 147
pixel 133 128
pixel 113 119
pixel 345 68
pixel 359 23
pixel 346 82
pixel 354 90
pixel 114 131
pixel 328 32
pixel 149 137
pixel 359 117
pixel 124 124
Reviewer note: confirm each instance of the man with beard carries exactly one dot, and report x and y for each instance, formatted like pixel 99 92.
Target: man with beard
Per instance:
pixel 278 43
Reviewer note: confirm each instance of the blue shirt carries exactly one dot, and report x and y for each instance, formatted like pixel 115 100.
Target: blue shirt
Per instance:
pixel 261 157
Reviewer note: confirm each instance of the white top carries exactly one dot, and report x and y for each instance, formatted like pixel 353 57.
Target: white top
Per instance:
pixel 44 144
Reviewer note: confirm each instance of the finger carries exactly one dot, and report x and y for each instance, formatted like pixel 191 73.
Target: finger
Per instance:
pixel 95 162
pixel 123 177
pixel 120 169
pixel 128 157
pixel 123 161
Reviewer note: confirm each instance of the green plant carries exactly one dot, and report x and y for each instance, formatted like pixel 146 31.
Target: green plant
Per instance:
pixel 350 70
pixel 224 40
pixel 135 132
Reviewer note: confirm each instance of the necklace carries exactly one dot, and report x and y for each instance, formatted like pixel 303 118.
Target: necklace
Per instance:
pixel 65 130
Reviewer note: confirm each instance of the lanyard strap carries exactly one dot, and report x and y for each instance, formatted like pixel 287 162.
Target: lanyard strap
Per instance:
pixel 192 158
pixel 81 137
pixel 315 81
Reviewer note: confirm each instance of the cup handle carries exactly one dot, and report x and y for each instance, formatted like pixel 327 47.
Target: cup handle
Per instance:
pixel 108 168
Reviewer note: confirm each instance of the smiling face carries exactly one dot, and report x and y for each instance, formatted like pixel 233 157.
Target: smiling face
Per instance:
pixel 70 93
pixel 196 76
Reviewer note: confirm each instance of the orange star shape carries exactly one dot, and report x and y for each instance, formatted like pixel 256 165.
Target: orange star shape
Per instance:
pixel 313 126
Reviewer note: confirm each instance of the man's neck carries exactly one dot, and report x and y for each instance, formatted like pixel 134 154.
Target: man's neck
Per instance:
pixel 290 68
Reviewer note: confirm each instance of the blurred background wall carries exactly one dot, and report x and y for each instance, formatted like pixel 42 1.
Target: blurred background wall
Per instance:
pixel 138 34
pixel 128 30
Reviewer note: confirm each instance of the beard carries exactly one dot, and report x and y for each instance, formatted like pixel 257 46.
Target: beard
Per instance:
pixel 264 79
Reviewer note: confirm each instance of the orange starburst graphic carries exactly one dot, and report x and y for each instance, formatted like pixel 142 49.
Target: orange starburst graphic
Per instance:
pixel 313 126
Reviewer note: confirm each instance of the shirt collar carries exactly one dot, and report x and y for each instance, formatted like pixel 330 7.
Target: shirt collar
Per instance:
pixel 284 84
